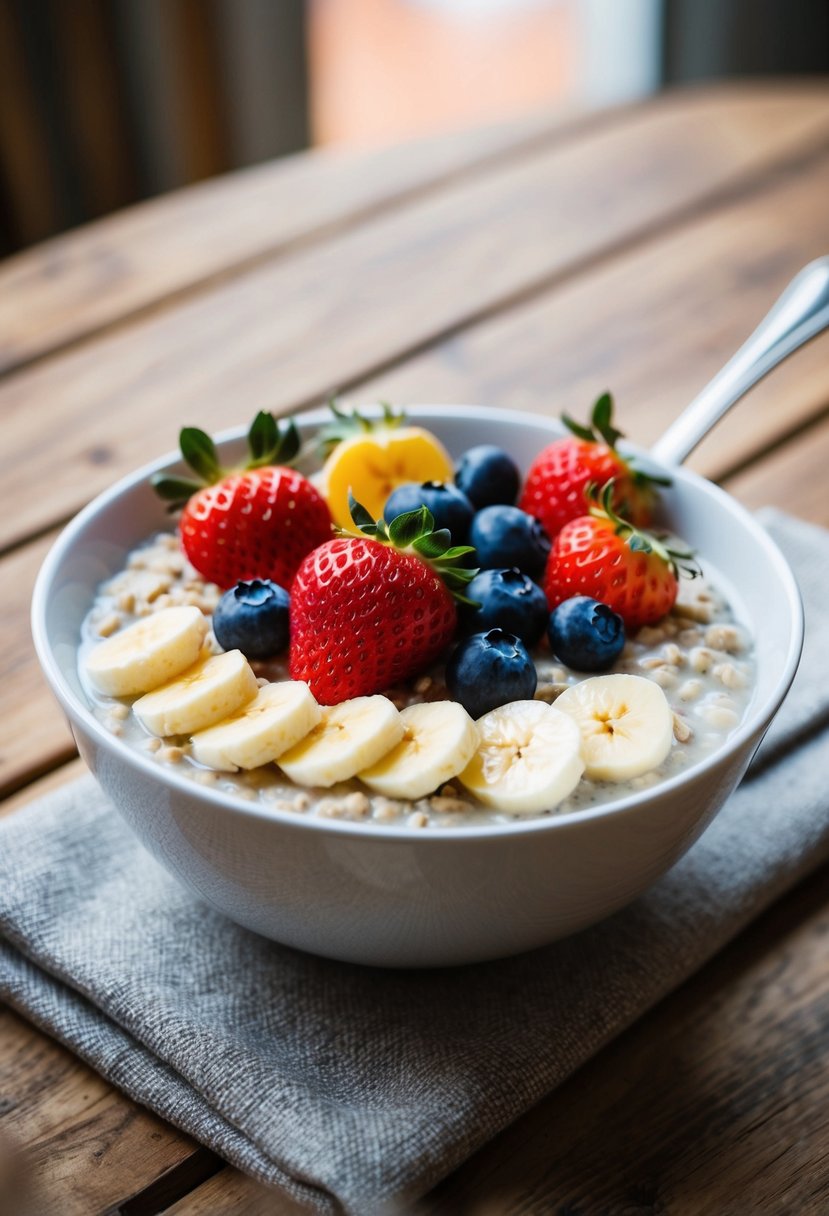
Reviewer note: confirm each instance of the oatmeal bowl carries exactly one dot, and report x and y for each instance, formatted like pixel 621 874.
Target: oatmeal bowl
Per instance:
pixel 358 746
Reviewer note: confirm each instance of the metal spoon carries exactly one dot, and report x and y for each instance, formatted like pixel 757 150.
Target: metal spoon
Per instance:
pixel 800 314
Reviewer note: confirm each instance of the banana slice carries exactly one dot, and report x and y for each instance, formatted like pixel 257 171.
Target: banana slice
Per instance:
pixel 625 722
pixel 213 689
pixel 349 737
pixel 528 759
pixel 278 717
pixel 147 653
pixel 370 466
pixel 438 742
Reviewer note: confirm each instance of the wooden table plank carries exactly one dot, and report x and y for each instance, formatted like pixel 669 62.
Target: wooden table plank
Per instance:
pixel 653 324
pixel 289 332
pixel 232 1192
pixel 35 735
pixel 39 787
pixel 75 284
pixel 86 1144
pixel 795 473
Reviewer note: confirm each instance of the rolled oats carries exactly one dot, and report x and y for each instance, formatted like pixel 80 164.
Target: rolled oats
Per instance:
pixel 699 637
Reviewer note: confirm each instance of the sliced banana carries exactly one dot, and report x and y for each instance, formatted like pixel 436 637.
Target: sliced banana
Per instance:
pixel 278 717
pixel 625 722
pixel 438 742
pixel 213 689
pixel 528 758
pixel 349 737
pixel 147 653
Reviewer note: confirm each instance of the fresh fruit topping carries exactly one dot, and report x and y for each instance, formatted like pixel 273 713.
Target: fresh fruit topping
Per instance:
pixel 369 611
pixel 211 690
pixel 488 670
pixel 448 507
pixel 348 738
pixel 509 600
pixel 625 722
pixel 603 556
pixel 585 634
pixel 554 491
pixel 528 759
pixel 488 476
pixel 505 537
pixel 253 617
pixel 370 458
pixel 275 720
pixel 258 521
pixel 439 740
pixel 147 653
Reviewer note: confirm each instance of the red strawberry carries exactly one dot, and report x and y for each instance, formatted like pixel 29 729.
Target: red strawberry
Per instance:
pixel 606 558
pixel 258 521
pixel 369 611
pixel 554 491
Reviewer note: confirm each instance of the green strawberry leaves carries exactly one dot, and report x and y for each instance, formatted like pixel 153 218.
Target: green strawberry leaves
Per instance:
pixel 680 561
pixel 415 532
pixel 348 423
pixel 601 428
pixel 269 443
pixel 174 490
pixel 199 451
pixel 362 518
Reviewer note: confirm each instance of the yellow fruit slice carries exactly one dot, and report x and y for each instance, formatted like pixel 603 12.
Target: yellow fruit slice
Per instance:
pixel 148 653
pixel 372 466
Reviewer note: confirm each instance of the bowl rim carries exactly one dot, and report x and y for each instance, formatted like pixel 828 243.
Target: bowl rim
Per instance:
pixel 756 721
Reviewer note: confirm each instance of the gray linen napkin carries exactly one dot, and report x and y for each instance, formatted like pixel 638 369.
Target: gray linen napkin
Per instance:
pixel 350 1087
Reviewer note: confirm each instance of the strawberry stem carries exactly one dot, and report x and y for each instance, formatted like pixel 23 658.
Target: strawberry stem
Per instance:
pixel 348 423
pixel 415 532
pixel 679 561
pixel 602 430
pixel 268 444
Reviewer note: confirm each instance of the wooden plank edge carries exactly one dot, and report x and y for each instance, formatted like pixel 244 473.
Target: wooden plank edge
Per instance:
pixel 752 184
pixel 553 130
pixel 177 1181
pixel 559 133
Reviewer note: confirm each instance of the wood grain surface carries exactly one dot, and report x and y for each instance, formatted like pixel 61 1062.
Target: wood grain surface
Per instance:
pixel 291 331
pixel 154 254
pixel 530 266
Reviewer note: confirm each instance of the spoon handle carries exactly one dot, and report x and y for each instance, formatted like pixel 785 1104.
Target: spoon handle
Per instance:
pixel 800 314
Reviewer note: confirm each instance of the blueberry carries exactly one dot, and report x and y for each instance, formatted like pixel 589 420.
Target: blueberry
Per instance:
pixel 451 508
pixel 488 476
pixel 505 536
pixel 586 634
pixel 253 617
pixel 488 670
pixel 508 600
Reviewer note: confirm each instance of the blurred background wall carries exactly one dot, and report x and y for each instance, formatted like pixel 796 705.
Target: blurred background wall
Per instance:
pixel 105 102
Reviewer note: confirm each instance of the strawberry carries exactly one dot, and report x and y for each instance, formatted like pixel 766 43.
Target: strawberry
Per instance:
pixel 369 611
pixel 554 488
pixel 605 557
pixel 256 521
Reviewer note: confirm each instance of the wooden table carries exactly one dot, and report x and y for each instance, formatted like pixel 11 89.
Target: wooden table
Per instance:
pixel 529 266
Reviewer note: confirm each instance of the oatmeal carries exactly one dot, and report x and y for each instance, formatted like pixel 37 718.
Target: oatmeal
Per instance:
pixel 698 654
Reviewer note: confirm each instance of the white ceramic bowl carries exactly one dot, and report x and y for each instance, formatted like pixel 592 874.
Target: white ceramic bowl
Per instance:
pixel 396 896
